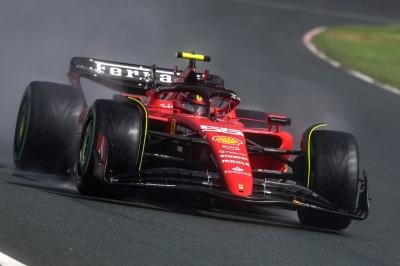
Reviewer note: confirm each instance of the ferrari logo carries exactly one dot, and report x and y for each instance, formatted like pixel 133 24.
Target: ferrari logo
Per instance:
pixel 227 140
pixel 241 188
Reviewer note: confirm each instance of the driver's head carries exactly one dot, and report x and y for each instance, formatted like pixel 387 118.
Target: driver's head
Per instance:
pixel 192 104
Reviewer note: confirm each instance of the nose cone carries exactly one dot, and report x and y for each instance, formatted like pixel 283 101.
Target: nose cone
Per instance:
pixel 231 154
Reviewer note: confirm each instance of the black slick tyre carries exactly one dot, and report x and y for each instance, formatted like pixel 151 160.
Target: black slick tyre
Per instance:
pixel 112 143
pixel 47 130
pixel 334 175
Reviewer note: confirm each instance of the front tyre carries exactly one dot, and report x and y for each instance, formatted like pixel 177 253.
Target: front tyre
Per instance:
pixel 333 175
pixel 112 144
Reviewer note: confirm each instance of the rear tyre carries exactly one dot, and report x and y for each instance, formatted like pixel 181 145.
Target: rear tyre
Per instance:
pixel 334 175
pixel 47 130
pixel 112 143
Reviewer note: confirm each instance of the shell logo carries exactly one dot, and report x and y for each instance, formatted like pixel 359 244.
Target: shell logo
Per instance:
pixel 227 140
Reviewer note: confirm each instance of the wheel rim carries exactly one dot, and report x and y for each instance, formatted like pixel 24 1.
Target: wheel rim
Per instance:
pixel 86 147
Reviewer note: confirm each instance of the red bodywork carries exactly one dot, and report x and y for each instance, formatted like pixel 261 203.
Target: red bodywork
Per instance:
pixel 194 139
pixel 225 134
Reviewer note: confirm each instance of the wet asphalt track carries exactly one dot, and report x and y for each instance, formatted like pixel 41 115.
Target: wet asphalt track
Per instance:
pixel 256 46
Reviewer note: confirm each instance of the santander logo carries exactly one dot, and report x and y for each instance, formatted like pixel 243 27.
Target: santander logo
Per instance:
pixel 237 168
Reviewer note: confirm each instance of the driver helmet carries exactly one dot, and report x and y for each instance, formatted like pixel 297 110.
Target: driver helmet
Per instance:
pixel 193 104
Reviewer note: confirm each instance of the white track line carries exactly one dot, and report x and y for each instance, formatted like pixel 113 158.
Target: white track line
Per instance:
pixel 315 11
pixel 8 261
pixel 307 40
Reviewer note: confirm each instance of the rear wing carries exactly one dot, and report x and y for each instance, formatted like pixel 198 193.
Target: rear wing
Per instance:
pixel 119 76
pixel 130 78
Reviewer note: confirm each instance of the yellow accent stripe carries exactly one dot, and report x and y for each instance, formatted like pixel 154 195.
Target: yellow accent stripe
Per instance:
pixel 309 152
pixel 145 129
pixel 199 57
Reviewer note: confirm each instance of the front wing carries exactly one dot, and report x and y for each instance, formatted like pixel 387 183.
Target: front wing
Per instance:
pixel 265 191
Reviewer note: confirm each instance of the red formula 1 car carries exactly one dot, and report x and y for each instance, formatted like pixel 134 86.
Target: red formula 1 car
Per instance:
pixel 182 130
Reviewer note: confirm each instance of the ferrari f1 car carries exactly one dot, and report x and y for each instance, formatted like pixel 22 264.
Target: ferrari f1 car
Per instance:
pixel 181 130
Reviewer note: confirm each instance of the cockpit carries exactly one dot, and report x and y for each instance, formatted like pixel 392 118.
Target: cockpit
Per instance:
pixel 196 104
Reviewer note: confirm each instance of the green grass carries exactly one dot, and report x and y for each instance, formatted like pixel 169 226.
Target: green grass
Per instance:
pixel 372 50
